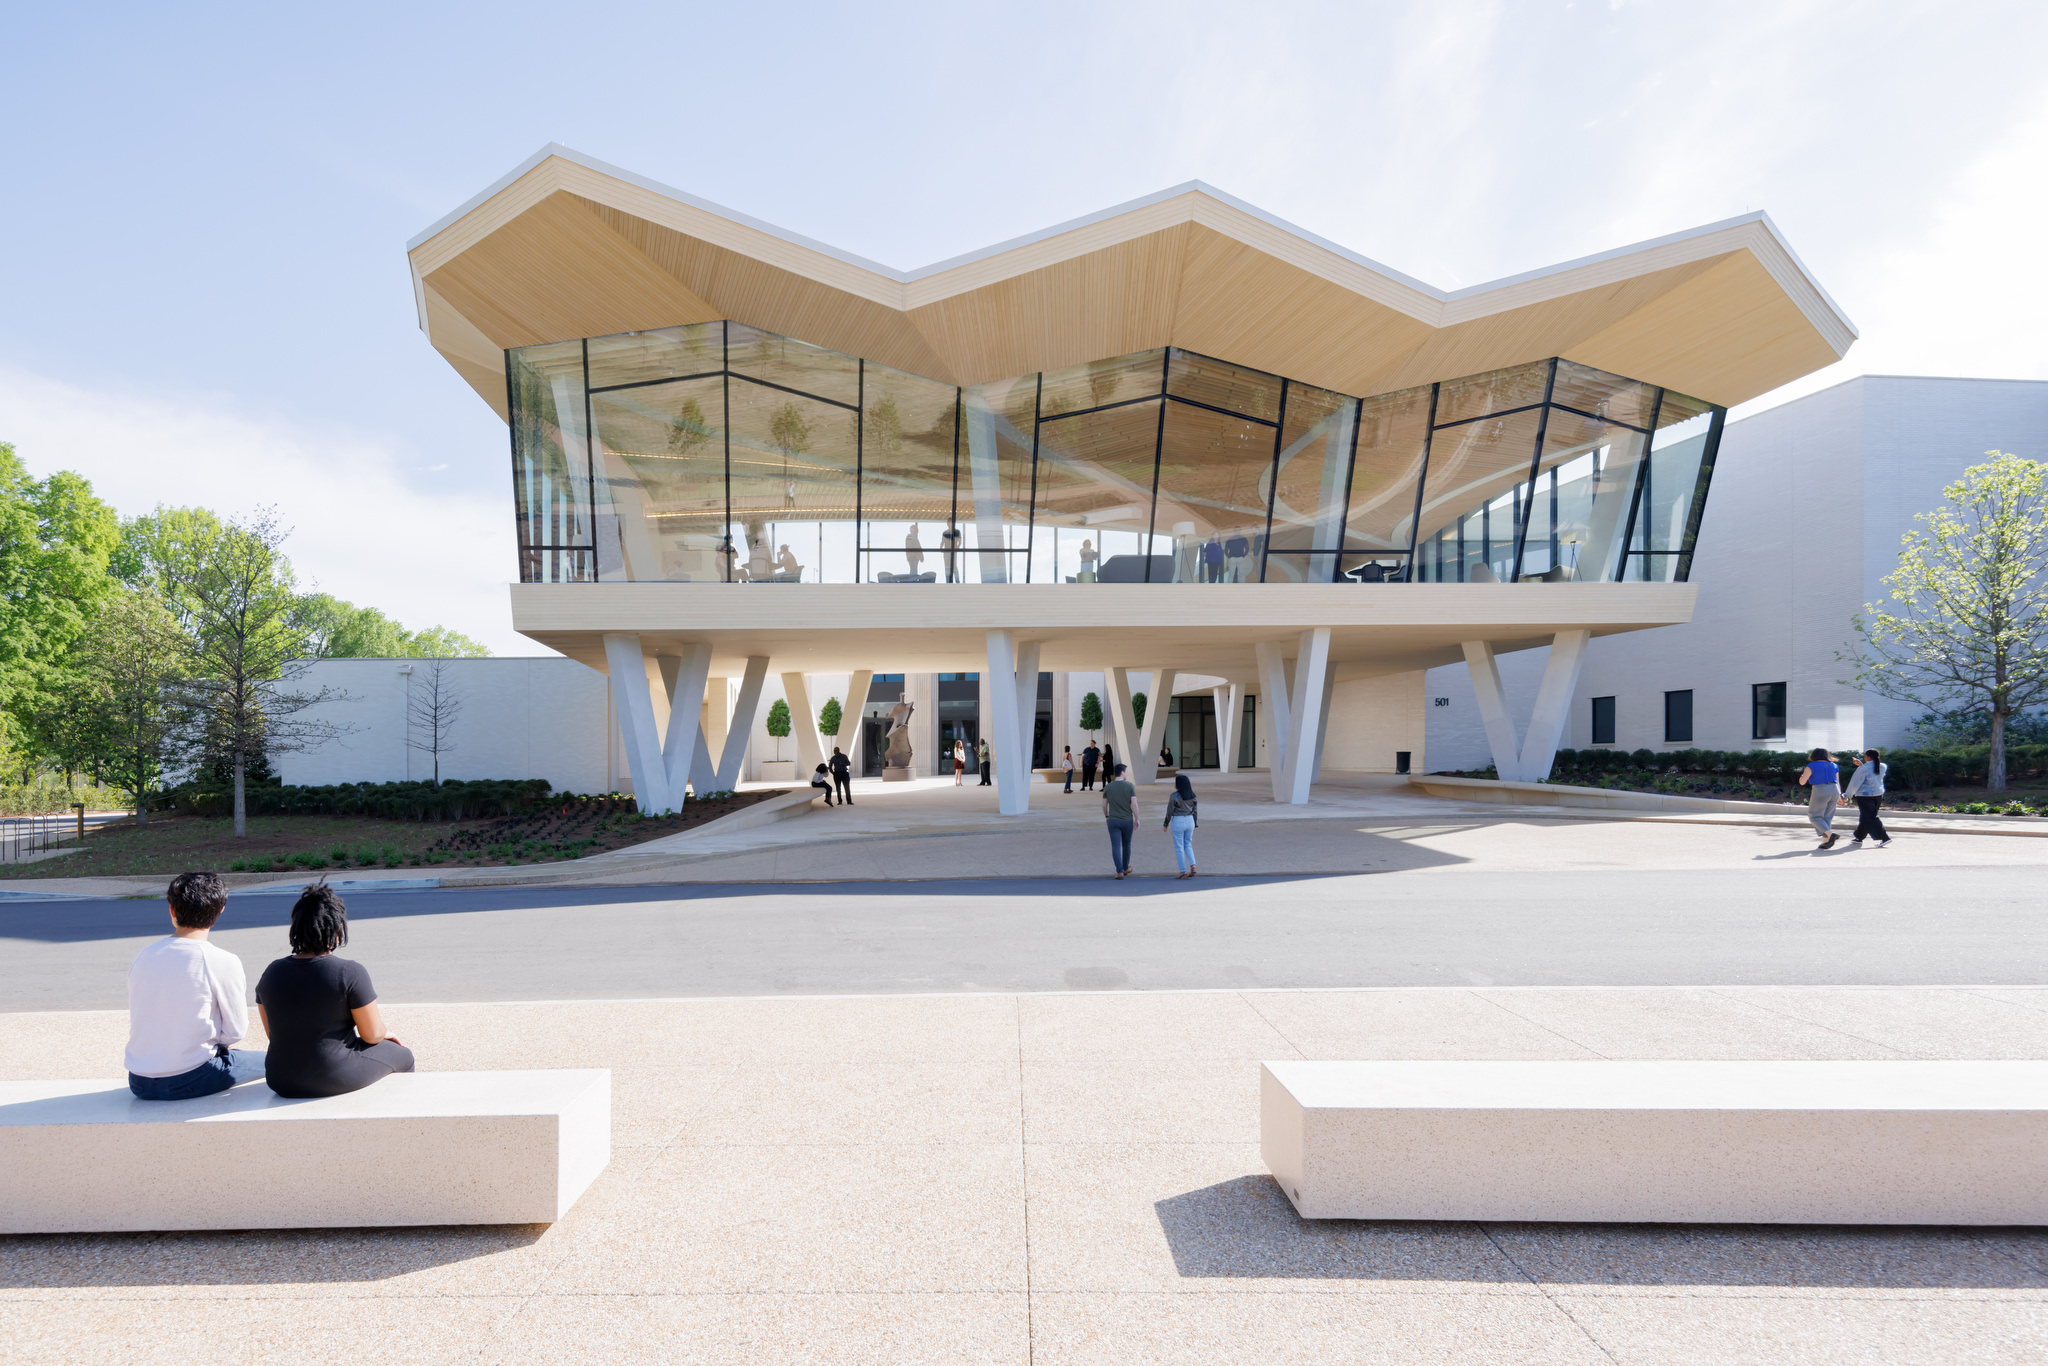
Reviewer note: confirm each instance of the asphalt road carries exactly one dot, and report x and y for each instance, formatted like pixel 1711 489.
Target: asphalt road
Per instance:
pixel 1594 927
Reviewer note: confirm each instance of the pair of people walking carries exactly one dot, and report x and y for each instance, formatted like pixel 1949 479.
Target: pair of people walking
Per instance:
pixel 1823 777
pixel 1120 813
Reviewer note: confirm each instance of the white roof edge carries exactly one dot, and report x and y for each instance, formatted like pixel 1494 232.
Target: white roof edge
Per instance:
pixel 556 149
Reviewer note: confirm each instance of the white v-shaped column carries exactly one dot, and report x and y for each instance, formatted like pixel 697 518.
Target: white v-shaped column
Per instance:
pixel 1529 760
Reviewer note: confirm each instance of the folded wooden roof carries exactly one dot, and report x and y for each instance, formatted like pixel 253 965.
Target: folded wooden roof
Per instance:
pixel 566 246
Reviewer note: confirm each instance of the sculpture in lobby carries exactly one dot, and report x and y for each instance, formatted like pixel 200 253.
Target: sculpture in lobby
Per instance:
pixel 896 747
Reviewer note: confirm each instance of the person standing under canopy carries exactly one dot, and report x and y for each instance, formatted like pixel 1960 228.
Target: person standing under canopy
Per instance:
pixel 913 550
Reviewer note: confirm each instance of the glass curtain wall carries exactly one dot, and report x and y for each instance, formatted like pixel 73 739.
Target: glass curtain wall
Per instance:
pixel 719 452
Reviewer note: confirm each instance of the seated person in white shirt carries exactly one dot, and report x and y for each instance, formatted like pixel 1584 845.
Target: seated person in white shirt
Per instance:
pixel 188 1004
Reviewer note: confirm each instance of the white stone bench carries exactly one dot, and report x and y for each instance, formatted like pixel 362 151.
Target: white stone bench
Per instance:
pixel 415 1148
pixel 1661 1142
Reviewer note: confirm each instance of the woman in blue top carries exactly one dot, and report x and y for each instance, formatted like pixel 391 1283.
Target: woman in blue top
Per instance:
pixel 1826 780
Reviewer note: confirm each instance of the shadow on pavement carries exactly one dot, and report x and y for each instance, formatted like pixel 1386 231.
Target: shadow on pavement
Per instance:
pixel 48 1261
pixel 1245 1228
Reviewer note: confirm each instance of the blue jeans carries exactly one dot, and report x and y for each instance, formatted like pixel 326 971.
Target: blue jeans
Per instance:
pixel 228 1067
pixel 1120 843
pixel 1183 828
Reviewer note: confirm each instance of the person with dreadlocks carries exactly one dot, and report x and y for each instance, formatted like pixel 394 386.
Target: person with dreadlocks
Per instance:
pixel 327 1036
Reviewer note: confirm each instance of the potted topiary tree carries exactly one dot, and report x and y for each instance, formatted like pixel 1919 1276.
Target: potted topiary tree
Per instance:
pixel 778 769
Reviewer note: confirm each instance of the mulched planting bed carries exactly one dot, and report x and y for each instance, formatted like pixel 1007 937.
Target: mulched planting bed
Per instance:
pixel 288 844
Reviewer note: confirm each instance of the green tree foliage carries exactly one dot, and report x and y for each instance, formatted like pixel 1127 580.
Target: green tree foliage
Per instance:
pixel 1138 708
pixel 56 541
pixel 251 637
pixel 342 630
pixel 1091 714
pixel 133 710
pixel 1966 629
pixel 830 718
pixel 778 724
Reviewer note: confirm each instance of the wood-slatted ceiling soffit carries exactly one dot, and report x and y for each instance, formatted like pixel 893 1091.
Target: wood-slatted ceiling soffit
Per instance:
pixel 569 248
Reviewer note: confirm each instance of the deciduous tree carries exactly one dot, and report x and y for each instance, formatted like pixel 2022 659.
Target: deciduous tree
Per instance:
pixel 432 705
pixel 1966 628
pixel 134 710
pixel 1091 714
pixel 56 541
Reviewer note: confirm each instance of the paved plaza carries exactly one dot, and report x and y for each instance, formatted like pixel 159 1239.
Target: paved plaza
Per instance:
pixel 1006 1117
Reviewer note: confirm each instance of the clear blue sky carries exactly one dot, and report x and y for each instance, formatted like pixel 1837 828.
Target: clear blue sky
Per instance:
pixel 205 298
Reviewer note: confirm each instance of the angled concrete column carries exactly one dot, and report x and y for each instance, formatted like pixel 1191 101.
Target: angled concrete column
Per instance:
pixel 1273 711
pixel 633 700
pixel 1323 721
pixel 1120 724
pixel 1553 703
pixel 1158 704
pixel 803 725
pixel 741 727
pixel 853 731
pixel 1305 712
pixel 1493 710
pixel 684 677
pixel 1012 689
pixel 1229 722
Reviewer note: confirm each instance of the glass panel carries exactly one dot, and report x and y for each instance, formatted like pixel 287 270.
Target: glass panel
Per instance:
pixel 1315 461
pixel 995 477
pixel 907 444
pixel 1222 385
pixel 792 364
pixel 1094 491
pixel 1214 472
pixel 1496 391
pixel 1603 395
pixel 670 353
pixel 1373 568
pixel 551 464
pixel 1476 467
pixel 1100 382
pixel 1300 566
pixel 1666 499
pixel 1384 472
pixel 660 454
pixel 1677 408
pixel 1582 499
pixel 792 480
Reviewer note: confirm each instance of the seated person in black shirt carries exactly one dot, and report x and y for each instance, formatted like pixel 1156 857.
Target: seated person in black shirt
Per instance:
pixel 326 1034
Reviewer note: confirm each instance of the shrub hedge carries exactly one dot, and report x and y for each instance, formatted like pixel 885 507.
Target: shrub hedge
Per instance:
pixel 450 801
pixel 1909 769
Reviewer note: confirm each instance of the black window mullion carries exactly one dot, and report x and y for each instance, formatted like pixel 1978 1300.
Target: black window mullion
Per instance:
pixel 1535 466
pixel 1635 500
pixel 1120 403
pixel 590 457
pixel 1242 417
pixel 1699 495
pixel 957 562
pixel 1273 482
pixel 650 383
pixel 784 388
pixel 1158 457
pixel 1350 473
pixel 1422 483
pixel 731 552
pixel 860 441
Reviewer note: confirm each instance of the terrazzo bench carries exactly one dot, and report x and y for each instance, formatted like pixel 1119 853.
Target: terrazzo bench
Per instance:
pixel 416 1148
pixel 1661 1142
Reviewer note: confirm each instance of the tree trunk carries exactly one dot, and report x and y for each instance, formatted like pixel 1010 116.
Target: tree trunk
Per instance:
pixel 241 799
pixel 1994 763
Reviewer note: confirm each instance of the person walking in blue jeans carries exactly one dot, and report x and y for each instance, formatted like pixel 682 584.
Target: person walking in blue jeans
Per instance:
pixel 1120 810
pixel 1181 822
pixel 1826 781
pixel 188 1003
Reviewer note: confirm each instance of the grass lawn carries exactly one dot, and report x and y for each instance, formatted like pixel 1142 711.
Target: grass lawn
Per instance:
pixel 285 844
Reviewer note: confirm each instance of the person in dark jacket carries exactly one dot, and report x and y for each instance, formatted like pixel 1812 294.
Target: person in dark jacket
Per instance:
pixel 1090 757
pixel 842 775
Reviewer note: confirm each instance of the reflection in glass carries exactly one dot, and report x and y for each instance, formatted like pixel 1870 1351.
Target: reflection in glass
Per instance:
pixel 719 452
pixel 1214 473
pixel 551 464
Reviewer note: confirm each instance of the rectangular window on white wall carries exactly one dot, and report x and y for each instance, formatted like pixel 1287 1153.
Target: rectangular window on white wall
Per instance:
pixel 1603 720
pixel 1767 711
pixel 1678 717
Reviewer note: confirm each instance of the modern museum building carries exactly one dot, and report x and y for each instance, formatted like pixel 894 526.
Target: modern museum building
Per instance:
pixel 1179 441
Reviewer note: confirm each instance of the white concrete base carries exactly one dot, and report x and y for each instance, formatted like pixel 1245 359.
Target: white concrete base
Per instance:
pixel 905 774
pixel 1661 1142
pixel 416 1148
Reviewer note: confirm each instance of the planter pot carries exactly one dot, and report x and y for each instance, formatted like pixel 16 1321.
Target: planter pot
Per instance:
pixel 778 770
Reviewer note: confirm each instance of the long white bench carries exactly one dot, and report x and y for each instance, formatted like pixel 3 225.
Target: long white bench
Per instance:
pixel 416 1148
pixel 1661 1142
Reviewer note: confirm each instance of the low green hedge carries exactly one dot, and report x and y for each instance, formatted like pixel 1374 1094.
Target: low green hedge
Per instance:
pixel 1908 768
pixel 393 801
